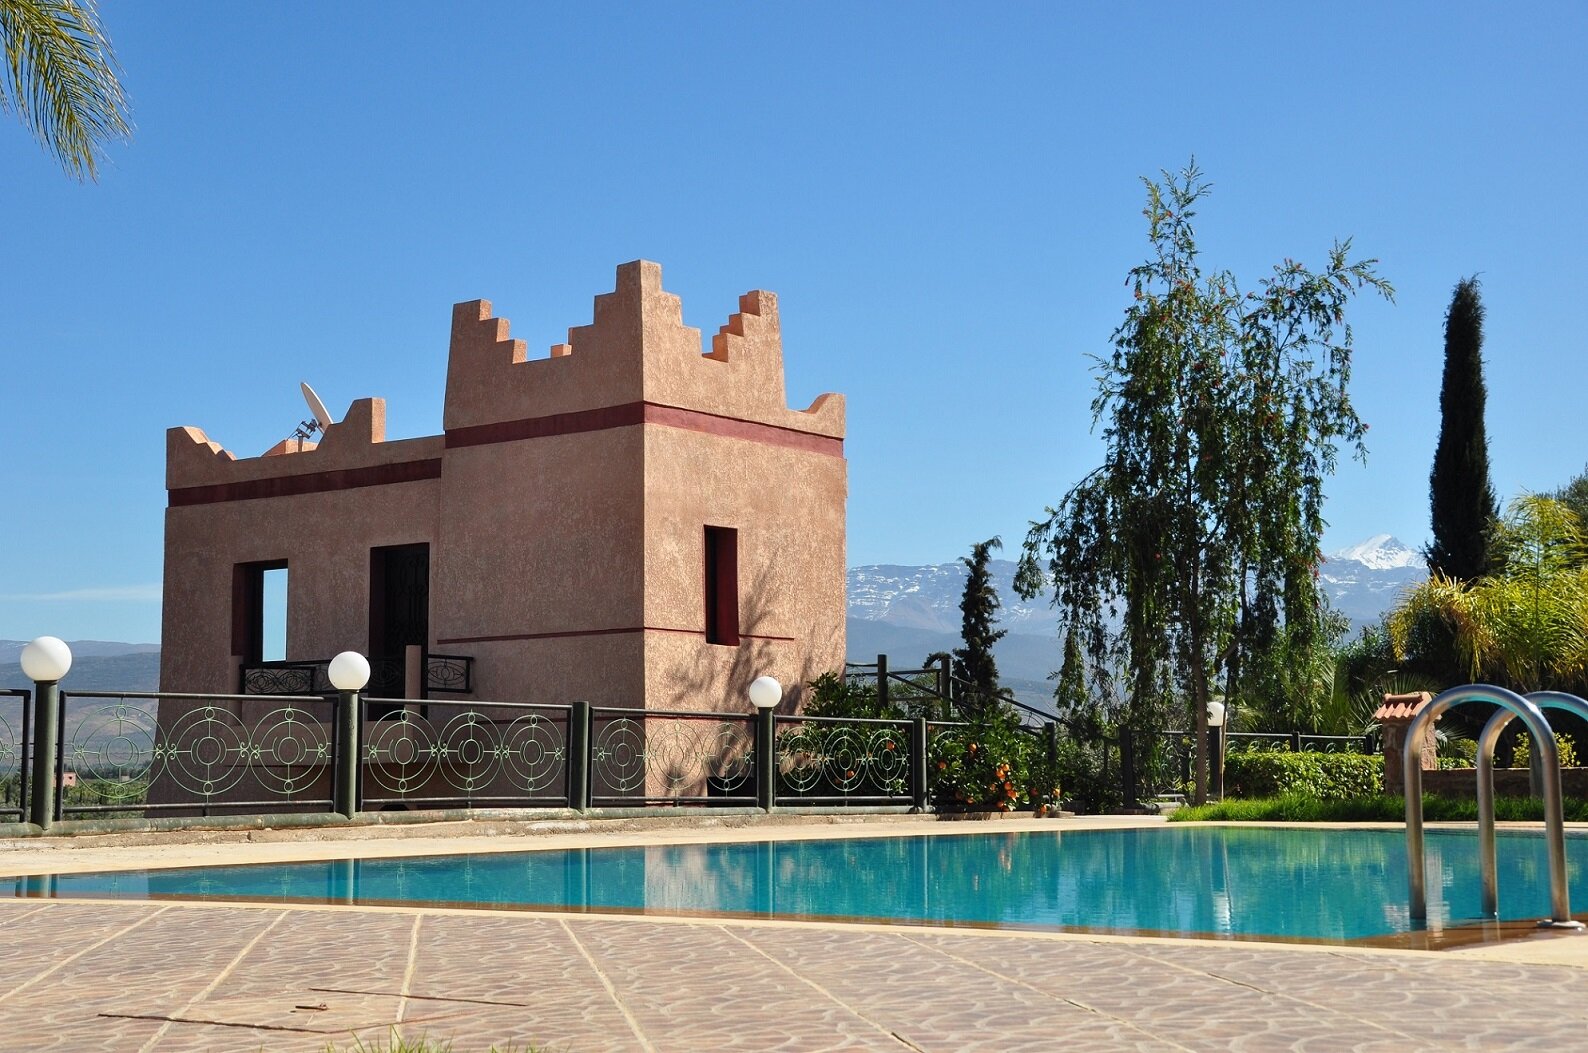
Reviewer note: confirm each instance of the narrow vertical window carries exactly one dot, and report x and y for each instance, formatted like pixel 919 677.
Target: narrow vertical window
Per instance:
pixel 259 611
pixel 722 586
pixel 273 615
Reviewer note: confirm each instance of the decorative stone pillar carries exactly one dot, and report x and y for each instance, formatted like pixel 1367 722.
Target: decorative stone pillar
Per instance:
pixel 1394 717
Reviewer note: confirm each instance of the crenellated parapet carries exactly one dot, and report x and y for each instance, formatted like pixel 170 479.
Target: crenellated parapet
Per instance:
pixel 635 351
pixel 356 442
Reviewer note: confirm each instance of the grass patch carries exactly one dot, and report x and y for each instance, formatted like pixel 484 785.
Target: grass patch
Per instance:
pixel 1301 808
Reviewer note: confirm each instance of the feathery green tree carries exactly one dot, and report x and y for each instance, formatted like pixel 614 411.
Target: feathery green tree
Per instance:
pixel 1460 496
pixel 1224 411
pixel 60 79
pixel 974 663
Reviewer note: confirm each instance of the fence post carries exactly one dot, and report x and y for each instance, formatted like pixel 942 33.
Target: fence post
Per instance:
pixel 882 683
pixel 918 771
pixel 766 758
pixel 46 753
pixel 945 685
pixel 348 751
pixel 44 661
pixel 579 756
pixel 1216 757
pixel 1127 767
pixel 1295 742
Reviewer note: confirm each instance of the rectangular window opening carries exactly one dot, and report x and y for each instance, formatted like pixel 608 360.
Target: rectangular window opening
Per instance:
pixel 259 611
pixel 722 586
pixel 273 615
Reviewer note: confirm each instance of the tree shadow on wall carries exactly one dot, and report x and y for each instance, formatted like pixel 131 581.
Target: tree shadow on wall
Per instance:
pixel 723 687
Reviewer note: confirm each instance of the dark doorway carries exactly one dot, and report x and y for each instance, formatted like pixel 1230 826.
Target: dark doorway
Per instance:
pixel 399 614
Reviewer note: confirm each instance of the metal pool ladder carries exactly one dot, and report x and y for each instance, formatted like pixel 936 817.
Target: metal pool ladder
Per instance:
pixel 1512 705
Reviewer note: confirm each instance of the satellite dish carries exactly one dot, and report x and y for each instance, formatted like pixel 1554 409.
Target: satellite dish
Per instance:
pixel 316 407
pixel 320 422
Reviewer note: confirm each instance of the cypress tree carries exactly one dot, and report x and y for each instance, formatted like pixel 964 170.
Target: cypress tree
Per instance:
pixel 1460 496
pixel 973 663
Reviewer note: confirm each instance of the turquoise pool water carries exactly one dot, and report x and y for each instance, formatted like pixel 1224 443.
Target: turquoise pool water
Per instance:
pixel 1288 884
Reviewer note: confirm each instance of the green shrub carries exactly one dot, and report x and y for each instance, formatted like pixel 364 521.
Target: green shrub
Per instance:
pixel 1082 768
pixel 1301 808
pixel 1563 745
pixel 1321 776
pixel 832 695
pixel 1462 753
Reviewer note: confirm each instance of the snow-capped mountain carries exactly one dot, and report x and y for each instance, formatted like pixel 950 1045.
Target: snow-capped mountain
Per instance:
pixel 1366 579
pixel 912 611
pixel 1380 552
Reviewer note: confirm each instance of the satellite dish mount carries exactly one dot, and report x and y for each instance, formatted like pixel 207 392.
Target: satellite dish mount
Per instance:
pixel 319 420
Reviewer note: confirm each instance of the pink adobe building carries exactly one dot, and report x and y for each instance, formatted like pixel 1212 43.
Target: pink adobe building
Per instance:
pixel 629 522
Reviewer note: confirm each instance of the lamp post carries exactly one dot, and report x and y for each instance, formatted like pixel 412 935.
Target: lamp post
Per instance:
pixel 348 673
pixel 45 661
pixel 765 694
pixel 1216 746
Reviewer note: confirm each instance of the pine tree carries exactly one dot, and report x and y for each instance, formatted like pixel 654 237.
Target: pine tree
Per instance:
pixel 974 663
pixel 1070 696
pixel 1459 492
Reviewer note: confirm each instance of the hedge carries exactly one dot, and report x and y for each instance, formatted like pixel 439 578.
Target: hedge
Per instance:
pixel 1324 776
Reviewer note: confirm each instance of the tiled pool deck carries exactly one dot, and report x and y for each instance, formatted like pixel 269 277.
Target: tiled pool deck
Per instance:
pixel 80 975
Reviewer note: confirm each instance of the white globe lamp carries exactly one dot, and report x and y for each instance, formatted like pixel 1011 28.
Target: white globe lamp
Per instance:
pixel 46 659
pixel 349 671
pixel 765 692
pixel 1215 714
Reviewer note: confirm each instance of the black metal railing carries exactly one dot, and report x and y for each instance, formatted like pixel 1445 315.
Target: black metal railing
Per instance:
pixel 448 674
pixel 286 678
pixel 449 754
pixel 16 714
pixel 451 674
pixel 837 760
pixel 132 754
pixel 652 756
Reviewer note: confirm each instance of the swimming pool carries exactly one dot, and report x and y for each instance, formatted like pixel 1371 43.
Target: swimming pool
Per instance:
pixel 1301 884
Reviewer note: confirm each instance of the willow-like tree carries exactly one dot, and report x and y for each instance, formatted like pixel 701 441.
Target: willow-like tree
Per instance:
pixel 1460 496
pixel 1222 413
pixel 58 74
pixel 974 663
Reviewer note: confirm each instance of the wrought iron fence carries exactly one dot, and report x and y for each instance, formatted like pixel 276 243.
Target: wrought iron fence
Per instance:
pixel 286 678
pixel 652 756
pixel 446 674
pixel 1297 742
pixel 451 674
pixel 463 754
pixel 16 714
pixel 134 753
pixel 839 760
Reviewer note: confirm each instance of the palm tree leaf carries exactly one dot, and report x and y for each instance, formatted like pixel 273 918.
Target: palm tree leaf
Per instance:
pixel 59 74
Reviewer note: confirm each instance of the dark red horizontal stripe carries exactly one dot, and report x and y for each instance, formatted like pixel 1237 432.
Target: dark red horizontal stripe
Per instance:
pixel 595 632
pixel 312 483
pixel 633 413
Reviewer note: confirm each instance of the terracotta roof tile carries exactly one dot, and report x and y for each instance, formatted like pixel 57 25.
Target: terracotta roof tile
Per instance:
pixel 1402 707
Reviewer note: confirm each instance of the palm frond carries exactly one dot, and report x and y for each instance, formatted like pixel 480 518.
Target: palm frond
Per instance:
pixel 60 76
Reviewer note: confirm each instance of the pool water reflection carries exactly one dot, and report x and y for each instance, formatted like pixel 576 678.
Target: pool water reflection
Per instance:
pixel 1233 882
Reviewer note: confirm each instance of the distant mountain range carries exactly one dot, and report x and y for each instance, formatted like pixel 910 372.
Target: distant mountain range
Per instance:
pixel 904 612
pixel 910 612
pixel 97 665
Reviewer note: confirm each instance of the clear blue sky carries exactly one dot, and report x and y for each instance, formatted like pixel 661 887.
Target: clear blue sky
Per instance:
pixel 945 197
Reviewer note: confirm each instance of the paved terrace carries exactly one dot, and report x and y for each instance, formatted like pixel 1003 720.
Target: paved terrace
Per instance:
pixel 81 975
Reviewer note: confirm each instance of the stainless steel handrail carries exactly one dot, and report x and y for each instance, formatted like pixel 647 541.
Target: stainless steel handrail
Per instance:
pixel 1554 826
pixel 1488 864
